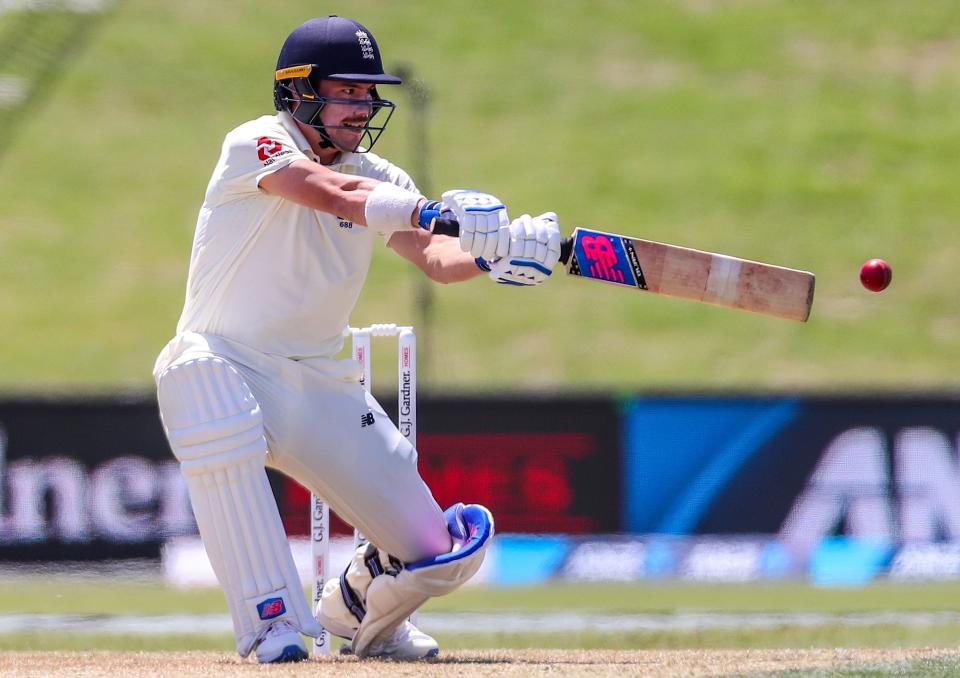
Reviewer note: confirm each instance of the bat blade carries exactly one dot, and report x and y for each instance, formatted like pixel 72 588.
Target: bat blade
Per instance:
pixel 681 272
pixel 691 274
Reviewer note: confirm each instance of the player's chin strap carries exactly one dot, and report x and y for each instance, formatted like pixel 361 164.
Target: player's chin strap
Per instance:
pixel 325 140
pixel 391 599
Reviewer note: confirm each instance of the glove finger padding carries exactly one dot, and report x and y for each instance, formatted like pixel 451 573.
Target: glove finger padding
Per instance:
pixel 521 229
pixel 486 235
pixel 466 236
pixel 529 239
pixel 553 240
pixel 534 251
pixel 548 236
pixel 481 217
pixel 542 252
pixel 501 232
pixel 503 241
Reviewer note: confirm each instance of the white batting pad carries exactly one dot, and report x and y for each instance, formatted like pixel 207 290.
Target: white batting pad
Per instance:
pixel 391 599
pixel 215 429
pixel 343 601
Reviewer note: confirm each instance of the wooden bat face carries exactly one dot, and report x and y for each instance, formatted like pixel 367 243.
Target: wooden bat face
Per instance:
pixel 691 274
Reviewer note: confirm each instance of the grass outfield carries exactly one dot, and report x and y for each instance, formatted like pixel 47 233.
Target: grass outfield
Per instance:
pixel 879 650
pixel 96 597
pixel 812 134
pixel 84 595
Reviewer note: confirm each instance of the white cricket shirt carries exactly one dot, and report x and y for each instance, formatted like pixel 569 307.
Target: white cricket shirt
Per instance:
pixel 269 273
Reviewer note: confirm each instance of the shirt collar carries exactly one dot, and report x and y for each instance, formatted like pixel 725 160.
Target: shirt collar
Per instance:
pixel 290 125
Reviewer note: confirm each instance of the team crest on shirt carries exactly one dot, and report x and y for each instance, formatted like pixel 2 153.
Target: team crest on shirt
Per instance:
pixel 268 150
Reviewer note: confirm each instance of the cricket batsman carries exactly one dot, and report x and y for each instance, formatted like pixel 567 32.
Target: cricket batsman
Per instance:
pixel 284 239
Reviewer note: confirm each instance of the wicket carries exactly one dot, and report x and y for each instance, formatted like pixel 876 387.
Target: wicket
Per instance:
pixel 361 339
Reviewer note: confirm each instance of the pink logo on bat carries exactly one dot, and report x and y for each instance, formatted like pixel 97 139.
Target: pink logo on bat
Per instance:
pixel 599 249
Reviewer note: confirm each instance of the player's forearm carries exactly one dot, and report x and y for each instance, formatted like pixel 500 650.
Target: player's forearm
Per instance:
pixel 341 194
pixel 439 257
pixel 382 206
pixel 346 195
pixel 447 263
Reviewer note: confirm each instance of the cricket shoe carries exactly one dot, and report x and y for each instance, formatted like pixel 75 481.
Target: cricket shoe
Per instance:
pixel 281 643
pixel 408 643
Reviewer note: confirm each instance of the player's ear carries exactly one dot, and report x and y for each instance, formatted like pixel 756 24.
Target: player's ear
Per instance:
pixel 294 94
pixel 287 92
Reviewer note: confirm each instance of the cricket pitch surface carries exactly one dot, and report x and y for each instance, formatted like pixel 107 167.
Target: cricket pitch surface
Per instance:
pixel 479 663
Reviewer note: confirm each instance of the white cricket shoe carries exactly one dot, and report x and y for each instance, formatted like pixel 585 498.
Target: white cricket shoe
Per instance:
pixel 408 643
pixel 281 643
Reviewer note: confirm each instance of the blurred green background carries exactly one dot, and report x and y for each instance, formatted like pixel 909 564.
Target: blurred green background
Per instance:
pixel 812 134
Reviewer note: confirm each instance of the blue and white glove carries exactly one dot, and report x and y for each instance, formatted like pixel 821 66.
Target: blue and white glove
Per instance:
pixel 534 251
pixel 484 224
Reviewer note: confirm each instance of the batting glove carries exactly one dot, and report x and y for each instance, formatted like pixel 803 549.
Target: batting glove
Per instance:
pixel 533 252
pixel 484 224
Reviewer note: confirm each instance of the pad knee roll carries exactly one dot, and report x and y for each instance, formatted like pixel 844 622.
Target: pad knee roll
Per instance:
pixel 209 413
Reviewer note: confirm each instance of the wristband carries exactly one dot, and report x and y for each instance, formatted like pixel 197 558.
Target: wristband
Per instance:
pixel 389 208
pixel 429 212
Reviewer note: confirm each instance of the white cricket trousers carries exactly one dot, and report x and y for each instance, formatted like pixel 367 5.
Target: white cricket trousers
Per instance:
pixel 324 431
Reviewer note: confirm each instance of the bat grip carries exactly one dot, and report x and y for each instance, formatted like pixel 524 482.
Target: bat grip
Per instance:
pixel 443 226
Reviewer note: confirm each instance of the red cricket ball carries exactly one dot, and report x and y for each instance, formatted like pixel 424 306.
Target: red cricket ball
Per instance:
pixel 875 275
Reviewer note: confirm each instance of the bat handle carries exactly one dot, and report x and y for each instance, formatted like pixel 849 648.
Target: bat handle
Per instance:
pixel 442 226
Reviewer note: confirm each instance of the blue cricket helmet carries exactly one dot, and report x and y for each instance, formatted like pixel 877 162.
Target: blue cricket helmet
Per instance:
pixel 331 48
pixel 338 49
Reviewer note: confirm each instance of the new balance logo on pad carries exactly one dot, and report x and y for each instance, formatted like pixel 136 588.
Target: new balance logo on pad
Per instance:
pixel 271 607
pixel 366 419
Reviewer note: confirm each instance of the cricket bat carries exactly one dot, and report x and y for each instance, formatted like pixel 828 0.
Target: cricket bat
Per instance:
pixel 681 272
